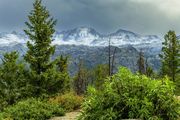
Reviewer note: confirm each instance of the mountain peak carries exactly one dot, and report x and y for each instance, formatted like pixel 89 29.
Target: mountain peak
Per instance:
pixel 80 29
pixel 120 32
pixel 78 36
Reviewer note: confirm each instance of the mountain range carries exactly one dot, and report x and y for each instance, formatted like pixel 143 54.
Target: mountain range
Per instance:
pixel 92 47
pixel 88 37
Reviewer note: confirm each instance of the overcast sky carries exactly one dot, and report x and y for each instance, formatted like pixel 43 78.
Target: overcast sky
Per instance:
pixel 140 16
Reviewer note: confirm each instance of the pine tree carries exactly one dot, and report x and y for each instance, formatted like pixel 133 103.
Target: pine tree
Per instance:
pixel 100 74
pixel 170 55
pixel 81 79
pixel 12 78
pixel 40 30
pixel 62 68
pixel 141 63
pixel 62 64
pixel 149 70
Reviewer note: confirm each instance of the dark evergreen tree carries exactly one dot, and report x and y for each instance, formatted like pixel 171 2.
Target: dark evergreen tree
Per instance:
pixel 62 68
pixel 81 79
pixel 62 64
pixel 113 61
pixel 40 31
pixel 141 63
pixel 12 80
pixel 170 56
pixel 149 70
pixel 44 78
pixel 100 75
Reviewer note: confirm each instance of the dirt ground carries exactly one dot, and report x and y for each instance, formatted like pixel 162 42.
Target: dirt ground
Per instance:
pixel 68 116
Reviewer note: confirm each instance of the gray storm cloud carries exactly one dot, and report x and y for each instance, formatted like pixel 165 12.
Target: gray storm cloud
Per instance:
pixel 142 16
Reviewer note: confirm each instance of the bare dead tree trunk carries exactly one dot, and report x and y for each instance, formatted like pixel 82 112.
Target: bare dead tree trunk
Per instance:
pixel 109 57
pixel 113 59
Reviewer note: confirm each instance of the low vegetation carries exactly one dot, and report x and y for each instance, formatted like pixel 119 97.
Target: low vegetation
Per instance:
pixel 69 101
pixel 129 96
pixel 31 109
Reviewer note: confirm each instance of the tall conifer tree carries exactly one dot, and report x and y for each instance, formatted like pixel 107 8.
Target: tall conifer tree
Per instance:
pixel 170 55
pixel 81 79
pixel 100 75
pixel 141 63
pixel 40 30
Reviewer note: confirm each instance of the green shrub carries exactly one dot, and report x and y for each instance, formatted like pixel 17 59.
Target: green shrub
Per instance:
pixel 69 101
pixel 32 109
pixel 129 96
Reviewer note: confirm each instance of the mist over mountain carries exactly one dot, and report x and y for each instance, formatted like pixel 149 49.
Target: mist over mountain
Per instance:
pixel 92 47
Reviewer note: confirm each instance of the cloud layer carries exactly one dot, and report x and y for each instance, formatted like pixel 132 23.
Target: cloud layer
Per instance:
pixel 142 16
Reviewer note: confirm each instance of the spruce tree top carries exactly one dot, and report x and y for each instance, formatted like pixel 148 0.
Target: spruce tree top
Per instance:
pixel 40 30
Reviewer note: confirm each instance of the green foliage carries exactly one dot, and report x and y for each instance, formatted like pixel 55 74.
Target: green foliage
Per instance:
pixel 40 31
pixel 85 77
pixel 81 79
pixel 62 64
pixel 150 72
pixel 177 91
pixel 170 56
pixel 69 101
pixel 62 68
pixel 32 109
pixel 100 73
pixel 143 66
pixel 44 79
pixel 12 80
pixel 141 63
pixel 47 83
pixel 129 96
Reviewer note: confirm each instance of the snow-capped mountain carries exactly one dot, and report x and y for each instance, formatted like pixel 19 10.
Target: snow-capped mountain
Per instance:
pixel 88 37
pixel 123 37
pixel 91 46
pixel 77 36
pixel 8 39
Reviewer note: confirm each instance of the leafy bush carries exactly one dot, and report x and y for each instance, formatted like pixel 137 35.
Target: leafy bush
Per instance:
pixel 127 96
pixel 69 101
pixel 32 109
